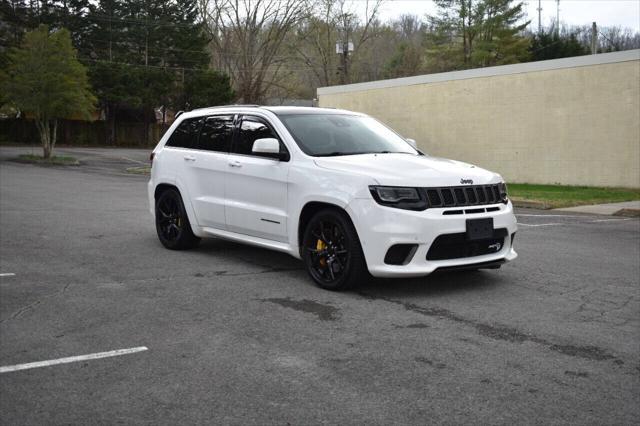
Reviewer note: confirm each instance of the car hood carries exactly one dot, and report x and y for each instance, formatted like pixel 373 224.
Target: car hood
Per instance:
pixel 409 170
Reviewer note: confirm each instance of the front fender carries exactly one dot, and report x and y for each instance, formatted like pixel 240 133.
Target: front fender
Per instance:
pixel 313 184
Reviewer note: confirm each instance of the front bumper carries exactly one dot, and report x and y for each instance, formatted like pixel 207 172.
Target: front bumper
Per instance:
pixel 381 227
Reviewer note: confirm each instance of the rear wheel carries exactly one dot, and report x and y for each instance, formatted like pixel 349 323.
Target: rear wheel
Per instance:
pixel 172 222
pixel 332 252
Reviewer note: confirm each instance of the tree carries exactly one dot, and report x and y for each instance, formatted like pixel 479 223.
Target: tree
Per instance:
pixel 247 37
pixel 478 33
pixel 144 53
pixel 330 24
pixel 204 88
pixel 552 44
pixel 610 39
pixel 45 79
pixel 407 60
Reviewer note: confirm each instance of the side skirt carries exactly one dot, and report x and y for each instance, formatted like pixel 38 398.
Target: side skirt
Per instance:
pixel 254 241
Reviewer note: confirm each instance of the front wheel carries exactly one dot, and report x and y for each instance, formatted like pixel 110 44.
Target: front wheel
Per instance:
pixel 172 222
pixel 332 252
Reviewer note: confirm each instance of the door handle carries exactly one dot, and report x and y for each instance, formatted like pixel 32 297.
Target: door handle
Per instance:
pixel 189 158
pixel 235 163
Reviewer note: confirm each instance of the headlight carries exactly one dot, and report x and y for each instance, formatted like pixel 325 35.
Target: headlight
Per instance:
pixel 399 197
pixel 502 187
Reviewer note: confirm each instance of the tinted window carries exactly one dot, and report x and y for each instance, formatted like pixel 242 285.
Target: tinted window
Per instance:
pixel 216 133
pixel 250 130
pixel 186 134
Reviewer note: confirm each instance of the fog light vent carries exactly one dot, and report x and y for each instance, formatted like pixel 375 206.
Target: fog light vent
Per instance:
pixel 400 254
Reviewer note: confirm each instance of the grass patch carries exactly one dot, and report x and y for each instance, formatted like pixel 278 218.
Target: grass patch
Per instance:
pixel 556 196
pixel 54 160
pixel 145 170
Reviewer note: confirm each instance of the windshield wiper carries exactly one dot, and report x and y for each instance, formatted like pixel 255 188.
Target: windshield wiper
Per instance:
pixel 390 152
pixel 337 153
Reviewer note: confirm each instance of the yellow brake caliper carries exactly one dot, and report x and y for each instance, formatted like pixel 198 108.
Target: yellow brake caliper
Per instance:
pixel 320 245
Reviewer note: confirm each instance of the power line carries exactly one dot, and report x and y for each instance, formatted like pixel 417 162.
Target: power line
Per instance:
pixel 167 49
pixel 178 68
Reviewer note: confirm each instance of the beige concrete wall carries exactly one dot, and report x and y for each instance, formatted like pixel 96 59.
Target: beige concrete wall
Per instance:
pixel 575 125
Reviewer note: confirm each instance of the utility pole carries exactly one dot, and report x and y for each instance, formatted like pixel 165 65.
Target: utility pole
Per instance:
pixel 343 48
pixel 539 16
pixel 594 39
pixel 110 36
pixel 345 60
pixel 146 40
pixel 558 17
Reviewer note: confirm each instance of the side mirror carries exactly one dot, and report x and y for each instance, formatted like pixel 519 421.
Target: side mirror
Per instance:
pixel 412 142
pixel 268 147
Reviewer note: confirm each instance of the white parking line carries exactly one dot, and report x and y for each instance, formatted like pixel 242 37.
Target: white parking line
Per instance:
pixel 98 355
pixel 540 224
pixel 8 274
pixel 608 220
pixel 551 215
pixel 134 161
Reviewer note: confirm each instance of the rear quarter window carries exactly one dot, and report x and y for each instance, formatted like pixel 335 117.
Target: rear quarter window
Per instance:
pixel 186 134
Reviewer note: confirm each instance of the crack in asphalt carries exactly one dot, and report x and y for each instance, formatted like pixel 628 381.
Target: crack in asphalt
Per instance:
pixel 223 273
pixel 504 333
pixel 22 310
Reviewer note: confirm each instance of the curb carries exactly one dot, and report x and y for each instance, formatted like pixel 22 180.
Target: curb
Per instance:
pixel 628 213
pixel 530 204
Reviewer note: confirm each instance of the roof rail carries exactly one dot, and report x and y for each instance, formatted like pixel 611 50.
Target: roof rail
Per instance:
pixel 229 106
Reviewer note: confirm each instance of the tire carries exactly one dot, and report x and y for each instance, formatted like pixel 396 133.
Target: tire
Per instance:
pixel 172 223
pixel 332 252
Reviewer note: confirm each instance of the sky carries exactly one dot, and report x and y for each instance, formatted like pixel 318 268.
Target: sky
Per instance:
pixel 625 13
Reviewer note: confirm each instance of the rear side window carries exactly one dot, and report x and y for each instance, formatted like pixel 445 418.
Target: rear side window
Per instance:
pixel 186 134
pixel 252 128
pixel 216 133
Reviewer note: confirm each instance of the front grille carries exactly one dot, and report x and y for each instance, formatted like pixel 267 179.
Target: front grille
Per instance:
pixel 456 246
pixel 461 196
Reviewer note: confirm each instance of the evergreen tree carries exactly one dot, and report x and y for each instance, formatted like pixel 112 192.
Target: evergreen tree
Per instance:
pixel 150 53
pixel 550 44
pixel 477 33
pixel 407 61
pixel 205 88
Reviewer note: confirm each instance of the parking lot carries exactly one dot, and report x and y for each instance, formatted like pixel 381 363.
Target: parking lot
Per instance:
pixel 240 335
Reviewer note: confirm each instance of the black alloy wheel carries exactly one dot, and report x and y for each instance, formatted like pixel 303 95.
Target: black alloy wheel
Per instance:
pixel 332 252
pixel 172 222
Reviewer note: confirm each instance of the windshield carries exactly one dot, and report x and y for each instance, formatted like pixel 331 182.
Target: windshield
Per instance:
pixel 323 135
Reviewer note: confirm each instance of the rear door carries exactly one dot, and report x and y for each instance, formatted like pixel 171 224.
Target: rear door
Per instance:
pixel 256 186
pixel 208 167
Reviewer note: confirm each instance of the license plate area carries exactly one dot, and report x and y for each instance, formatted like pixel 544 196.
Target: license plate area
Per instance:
pixel 479 229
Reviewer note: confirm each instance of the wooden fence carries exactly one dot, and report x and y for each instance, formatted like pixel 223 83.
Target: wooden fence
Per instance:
pixel 21 131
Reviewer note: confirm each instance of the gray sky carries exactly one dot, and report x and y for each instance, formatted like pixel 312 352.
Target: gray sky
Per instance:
pixel 625 13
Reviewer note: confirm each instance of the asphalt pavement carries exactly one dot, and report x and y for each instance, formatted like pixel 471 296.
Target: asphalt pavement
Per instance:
pixel 240 335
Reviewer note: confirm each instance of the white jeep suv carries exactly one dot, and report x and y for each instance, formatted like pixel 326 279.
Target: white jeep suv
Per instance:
pixel 335 188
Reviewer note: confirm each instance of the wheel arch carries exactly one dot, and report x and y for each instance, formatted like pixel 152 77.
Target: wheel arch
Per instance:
pixel 164 186
pixel 309 210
